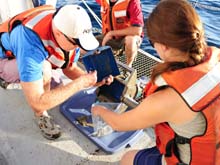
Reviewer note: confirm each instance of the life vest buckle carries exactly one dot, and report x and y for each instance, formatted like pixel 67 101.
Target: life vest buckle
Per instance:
pixel 181 140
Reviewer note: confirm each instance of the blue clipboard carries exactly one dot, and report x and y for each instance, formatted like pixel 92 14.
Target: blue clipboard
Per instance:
pixel 102 60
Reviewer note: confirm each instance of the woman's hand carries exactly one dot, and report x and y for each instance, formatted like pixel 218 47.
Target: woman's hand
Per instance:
pixel 97 109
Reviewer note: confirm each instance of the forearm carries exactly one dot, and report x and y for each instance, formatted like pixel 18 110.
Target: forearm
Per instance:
pixel 118 122
pixel 41 100
pixel 58 95
pixel 110 118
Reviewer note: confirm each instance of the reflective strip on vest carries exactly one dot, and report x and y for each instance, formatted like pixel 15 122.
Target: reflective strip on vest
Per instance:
pixel 160 81
pixel 198 90
pixel 102 9
pixel 120 1
pixel 32 22
pixel 121 13
pixel 51 43
pixel 54 60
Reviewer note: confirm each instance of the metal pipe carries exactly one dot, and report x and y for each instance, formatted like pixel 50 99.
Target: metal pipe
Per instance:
pixel 130 102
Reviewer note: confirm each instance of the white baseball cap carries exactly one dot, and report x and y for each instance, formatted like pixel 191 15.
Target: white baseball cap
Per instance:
pixel 74 22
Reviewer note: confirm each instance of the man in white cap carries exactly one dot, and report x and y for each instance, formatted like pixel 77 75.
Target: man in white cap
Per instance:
pixel 39 40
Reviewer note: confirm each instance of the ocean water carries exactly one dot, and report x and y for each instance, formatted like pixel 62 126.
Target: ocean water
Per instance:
pixel 208 10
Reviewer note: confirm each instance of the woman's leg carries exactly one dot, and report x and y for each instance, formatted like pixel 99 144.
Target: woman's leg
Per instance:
pixel 128 158
pixel 149 156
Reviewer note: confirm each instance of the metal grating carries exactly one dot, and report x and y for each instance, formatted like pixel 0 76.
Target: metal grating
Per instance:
pixel 143 64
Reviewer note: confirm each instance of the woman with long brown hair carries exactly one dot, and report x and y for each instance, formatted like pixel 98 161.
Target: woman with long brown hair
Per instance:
pixel 182 92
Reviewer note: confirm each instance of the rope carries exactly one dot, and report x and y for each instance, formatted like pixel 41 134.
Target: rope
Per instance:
pixel 208 7
pixel 98 20
pixel 197 4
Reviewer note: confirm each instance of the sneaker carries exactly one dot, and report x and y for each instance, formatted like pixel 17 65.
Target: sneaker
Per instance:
pixel 48 128
pixel 14 86
pixel 3 83
pixel 7 85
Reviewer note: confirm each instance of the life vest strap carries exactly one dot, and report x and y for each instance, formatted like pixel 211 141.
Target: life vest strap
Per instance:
pixel 181 164
pixel 218 146
pixel 66 56
pixel 1 42
pixel 8 53
pixel 171 147
pixel 181 140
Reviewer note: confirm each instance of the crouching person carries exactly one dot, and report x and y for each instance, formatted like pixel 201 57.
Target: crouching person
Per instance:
pixel 39 40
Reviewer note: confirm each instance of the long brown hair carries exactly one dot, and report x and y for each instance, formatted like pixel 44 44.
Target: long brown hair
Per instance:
pixel 176 24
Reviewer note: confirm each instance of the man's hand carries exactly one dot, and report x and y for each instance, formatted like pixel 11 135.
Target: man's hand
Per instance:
pixel 89 79
pixel 107 37
pixel 106 81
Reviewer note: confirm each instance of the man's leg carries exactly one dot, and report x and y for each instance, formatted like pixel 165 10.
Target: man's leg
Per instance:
pixel 9 71
pixel 132 44
pixel 9 77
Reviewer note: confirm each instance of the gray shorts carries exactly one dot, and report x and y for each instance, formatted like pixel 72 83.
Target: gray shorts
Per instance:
pixel 117 44
pixel 114 43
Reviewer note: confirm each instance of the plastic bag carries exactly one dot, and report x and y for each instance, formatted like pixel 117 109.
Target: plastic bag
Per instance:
pixel 101 128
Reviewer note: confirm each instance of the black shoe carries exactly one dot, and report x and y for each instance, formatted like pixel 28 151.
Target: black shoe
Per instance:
pixel 3 83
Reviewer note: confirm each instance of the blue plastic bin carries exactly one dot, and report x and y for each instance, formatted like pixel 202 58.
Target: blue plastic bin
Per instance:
pixel 79 105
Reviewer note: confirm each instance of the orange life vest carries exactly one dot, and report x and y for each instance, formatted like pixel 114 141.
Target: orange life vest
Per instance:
pixel 116 17
pixel 39 19
pixel 199 87
pixel 217 124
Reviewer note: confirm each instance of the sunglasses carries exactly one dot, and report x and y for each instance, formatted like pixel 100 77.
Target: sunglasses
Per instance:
pixel 71 41
pixel 151 43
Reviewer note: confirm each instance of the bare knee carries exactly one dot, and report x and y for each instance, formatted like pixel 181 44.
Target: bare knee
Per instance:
pixel 9 70
pixel 129 42
pixel 131 48
pixel 128 157
pixel 132 43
